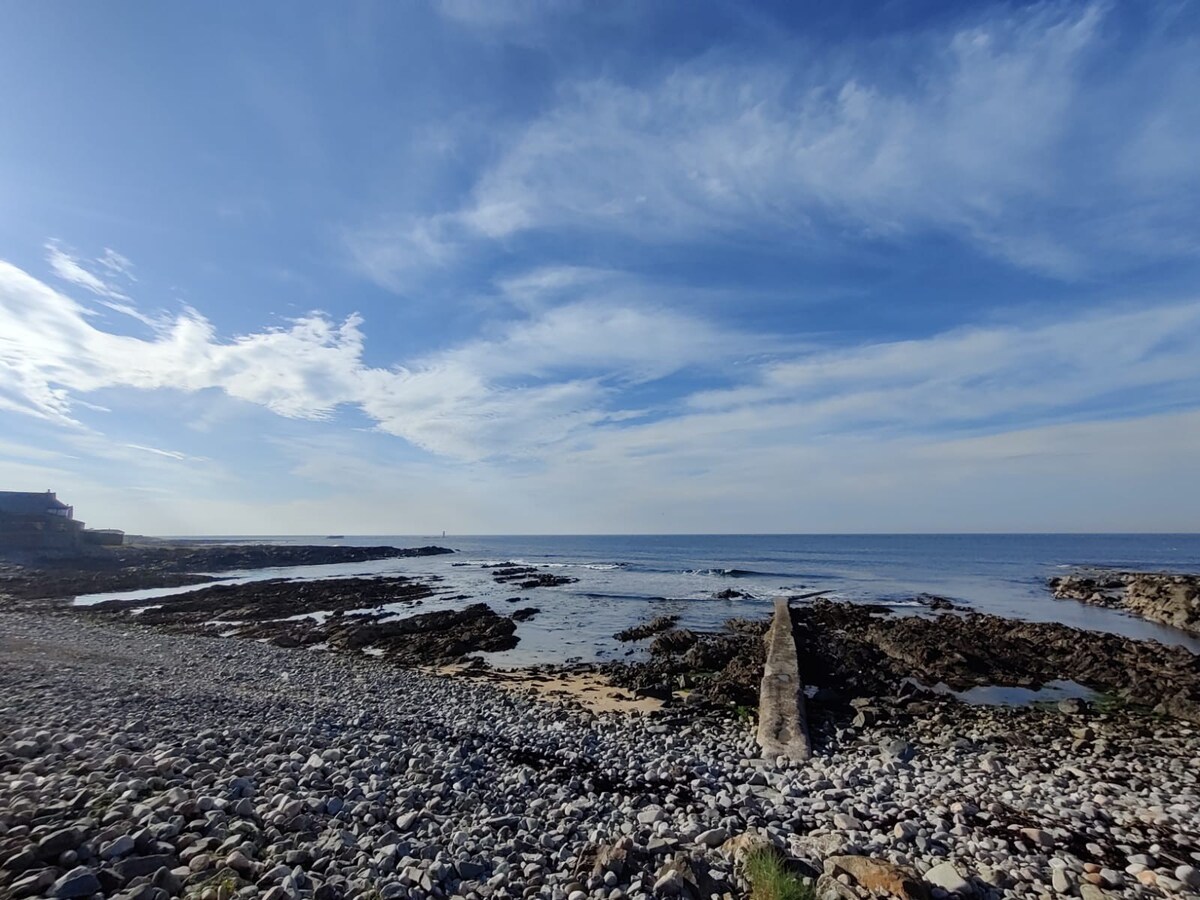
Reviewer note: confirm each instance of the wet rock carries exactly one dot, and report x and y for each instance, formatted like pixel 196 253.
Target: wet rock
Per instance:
pixel 730 663
pixel 20 861
pixel 528 577
pixel 33 884
pixel 1072 706
pixel 53 845
pixel 647 629
pixel 441 636
pixel 267 608
pixel 730 594
pixel 79 882
pixel 671 642
pixel 934 602
pixel 854 648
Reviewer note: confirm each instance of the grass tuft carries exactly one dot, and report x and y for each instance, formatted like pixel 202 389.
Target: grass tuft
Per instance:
pixel 770 880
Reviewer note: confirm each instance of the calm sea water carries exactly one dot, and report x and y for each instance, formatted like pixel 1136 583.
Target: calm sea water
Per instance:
pixel 625 579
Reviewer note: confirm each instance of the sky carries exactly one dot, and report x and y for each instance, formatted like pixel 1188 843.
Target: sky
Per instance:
pixel 508 266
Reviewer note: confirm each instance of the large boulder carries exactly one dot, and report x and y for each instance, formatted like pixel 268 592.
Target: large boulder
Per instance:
pixel 878 876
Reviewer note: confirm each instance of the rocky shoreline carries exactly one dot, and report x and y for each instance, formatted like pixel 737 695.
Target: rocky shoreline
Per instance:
pixel 141 764
pixel 1168 598
pixel 143 757
pixel 849 652
pixel 114 569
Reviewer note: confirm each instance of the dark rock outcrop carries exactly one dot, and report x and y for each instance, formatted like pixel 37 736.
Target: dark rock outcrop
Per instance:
pixel 723 668
pixel 647 629
pixel 935 602
pixel 848 651
pixel 527 577
pixel 135 568
pixel 675 641
pixel 260 601
pixel 435 637
pixel 1167 598
pixel 847 648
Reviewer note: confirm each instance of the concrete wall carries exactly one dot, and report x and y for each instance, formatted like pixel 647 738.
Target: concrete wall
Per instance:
pixel 55 533
pixel 782 721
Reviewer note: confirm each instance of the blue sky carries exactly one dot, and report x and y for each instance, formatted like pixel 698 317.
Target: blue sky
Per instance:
pixel 602 267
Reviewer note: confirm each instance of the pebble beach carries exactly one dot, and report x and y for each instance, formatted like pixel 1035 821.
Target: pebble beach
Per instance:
pixel 140 764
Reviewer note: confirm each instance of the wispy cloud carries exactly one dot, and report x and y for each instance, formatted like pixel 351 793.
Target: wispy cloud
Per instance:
pixel 571 378
pixel 390 252
pixel 116 264
pixel 1017 132
pixel 169 454
pixel 69 268
pixel 970 377
pixel 518 21
pixel 115 267
pixel 532 384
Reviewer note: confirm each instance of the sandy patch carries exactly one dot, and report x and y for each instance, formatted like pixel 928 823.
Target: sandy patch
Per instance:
pixel 589 690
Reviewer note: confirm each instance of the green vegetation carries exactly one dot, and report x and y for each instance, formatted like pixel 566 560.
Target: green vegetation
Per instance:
pixel 1111 702
pixel 770 880
pixel 745 713
pixel 223 885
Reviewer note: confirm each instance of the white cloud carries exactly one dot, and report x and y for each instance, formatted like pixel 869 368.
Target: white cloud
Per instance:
pixel 714 147
pixel 1094 476
pixel 70 268
pixel 540 380
pixel 389 252
pixel 532 289
pixel 530 385
pixel 526 22
pixel 1009 134
pixel 564 381
pixel 116 264
pixel 1089 476
pixel 168 454
pixel 971 376
pixel 966 427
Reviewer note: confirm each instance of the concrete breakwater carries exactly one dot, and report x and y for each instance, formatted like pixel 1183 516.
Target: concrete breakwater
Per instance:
pixel 782 719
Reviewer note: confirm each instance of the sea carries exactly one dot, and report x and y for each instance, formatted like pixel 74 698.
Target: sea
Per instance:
pixel 625 579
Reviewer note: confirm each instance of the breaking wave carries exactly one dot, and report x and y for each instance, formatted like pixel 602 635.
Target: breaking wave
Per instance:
pixel 737 573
